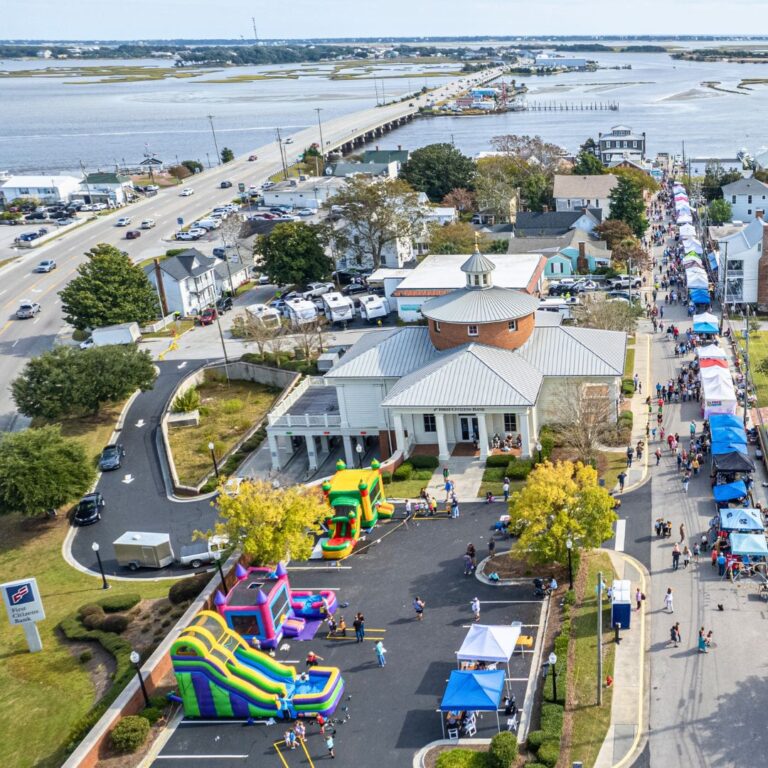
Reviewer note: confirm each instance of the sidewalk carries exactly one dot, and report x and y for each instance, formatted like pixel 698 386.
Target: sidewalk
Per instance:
pixel 466 473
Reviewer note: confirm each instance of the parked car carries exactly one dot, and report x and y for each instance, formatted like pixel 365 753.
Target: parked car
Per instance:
pixel 314 290
pixel 208 315
pixel 89 509
pixel 47 265
pixel 132 234
pixel 38 216
pixel 185 236
pixel 186 192
pixel 289 140
pixel 123 221
pixel 353 288
pixel 28 237
pixel 27 309
pixel 147 223
pixel 111 457
pixel 87 343
pixel 224 304
pixel 101 206
pixel 304 212
pixel 64 222
pixel 263 279
pixel 251 158
pixel 279 209
pixel 225 185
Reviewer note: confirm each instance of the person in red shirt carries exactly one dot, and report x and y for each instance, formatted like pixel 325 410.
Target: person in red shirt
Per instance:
pixel 313 659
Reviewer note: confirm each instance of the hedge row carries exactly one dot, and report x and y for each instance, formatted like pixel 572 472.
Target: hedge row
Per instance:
pixel 502 753
pixel 118 603
pixel 409 471
pixel 628 387
pixel 189 588
pixel 130 733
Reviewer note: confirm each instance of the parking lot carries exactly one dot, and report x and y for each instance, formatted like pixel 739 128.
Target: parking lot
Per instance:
pixel 388 713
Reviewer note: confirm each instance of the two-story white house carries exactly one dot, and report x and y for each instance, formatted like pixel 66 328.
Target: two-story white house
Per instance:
pixel 621 144
pixel 746 196
pixel 110 188
pixel 47 189
pixel 187 281
pixel 575 193
pixel 742 247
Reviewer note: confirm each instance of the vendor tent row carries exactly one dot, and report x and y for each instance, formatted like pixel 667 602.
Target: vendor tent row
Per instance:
pixel 695 273
pixel 718 393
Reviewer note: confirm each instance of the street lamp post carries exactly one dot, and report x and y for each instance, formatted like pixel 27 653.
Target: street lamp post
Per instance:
pixel 320 128
pixel 552 662
pixel 212 449
pixel 539 448
pixel 95 548
pixel 217 558
pixel 135 659
pixel 359 449
pixel 569 547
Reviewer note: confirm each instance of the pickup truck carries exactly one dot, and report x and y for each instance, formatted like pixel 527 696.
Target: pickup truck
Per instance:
pixel 625 282
pixel 204 551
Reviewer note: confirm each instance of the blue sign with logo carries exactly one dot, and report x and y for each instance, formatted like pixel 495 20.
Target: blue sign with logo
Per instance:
pixel 180 221
pixel 19 594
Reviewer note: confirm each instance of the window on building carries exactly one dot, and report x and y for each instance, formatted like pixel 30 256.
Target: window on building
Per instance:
pixel 485 279
pixel 437 327
pixel 429 423
pixel 733 199
pixel 513 325
pixel 472 330
pixel 735 267
pixel 749 211
pixel 510 422
pixel 749 199
pixel 556 268
pixel 477 279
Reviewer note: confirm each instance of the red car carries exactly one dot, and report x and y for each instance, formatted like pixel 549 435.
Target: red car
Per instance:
pixel 132 234
pixel 251 158
pixel 208 316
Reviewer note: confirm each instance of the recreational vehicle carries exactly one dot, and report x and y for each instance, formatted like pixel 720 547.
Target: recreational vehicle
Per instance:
pixel 373 307
pixel 338 308
pixel 300 311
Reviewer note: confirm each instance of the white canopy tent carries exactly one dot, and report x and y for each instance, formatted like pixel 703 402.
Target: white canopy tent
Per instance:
pixel 711 352
pixel 692 245
pixel 717 389
pixel 684 218
pixel 688 230
pixel 697 278
pixel 494 643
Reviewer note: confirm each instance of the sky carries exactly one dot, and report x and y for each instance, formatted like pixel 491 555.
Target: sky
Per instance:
pixel 146 19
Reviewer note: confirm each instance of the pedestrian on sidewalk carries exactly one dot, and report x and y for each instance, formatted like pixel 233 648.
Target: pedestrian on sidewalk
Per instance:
pixel 636 381
pixel 621 477
pixel 630 454
pixel 661 434
pixel 674 634
pixel 675 557
pixel 418 607
pixel 639 597
pixel 696 550
pixel 657 454
pixel 682 532
pixel 686 480
pixel 475 606
pixel 505 489
pixel 359 626
pixel 669 601
pixel 329 743
pixel 686 556
pixel 381 652
pixel 702 641
pixel 721 561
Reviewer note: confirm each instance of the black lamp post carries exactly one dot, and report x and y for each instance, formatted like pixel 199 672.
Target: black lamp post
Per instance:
pixel 95 548
pixel 135 660
pixel 217 558
pixel 212 449
pixel 539 448
pixel 359 450
pixel 569 547
pixel 552 663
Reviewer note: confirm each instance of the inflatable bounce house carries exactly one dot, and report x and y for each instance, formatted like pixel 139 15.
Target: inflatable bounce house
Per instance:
pixel 220 676
pixel 262 606
pixel 356 499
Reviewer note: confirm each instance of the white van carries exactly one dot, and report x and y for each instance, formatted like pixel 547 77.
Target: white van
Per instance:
pixel 300 312
pixel 207 224
pixel 338 308
pixel 373 307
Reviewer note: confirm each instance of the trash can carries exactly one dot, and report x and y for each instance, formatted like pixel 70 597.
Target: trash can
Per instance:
pixel 621 603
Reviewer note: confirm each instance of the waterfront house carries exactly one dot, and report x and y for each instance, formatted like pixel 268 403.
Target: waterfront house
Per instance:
pixel 697 166
pixel 576 252
pixel 110 188
pixel 487 363
pixel 621 144
pixel 304 192
pixel 188 281
pixel 344 169
pixel 575 193
pixel 746 196
pixel 399 156
pixel 47 189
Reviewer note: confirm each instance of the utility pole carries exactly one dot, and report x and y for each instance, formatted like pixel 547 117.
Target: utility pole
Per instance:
pixel 215 143
pixel 746 365
pixel 282 156
pixel 724 294
pixel 376 89
pixel 320 128
pixel 599 638
pixel 85 180
pixel 255 31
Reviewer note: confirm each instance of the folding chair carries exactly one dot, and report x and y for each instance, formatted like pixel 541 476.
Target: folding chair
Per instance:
pixel 470 729
pixel 512 724
pixel 453 734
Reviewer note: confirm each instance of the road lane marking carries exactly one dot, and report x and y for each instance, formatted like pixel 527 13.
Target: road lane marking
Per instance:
pixel 621 532
pixel 129 478
pixel 15 343
pixel 140 423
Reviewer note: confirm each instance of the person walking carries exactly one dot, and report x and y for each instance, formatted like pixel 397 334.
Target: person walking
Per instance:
pixel 674 634
pixel 669 601
pixel 682 532
pixel 475 606
pixel 702 642
pixel 330 745
pixel 418 607
pixel 621 477
pixel 472 552
pixel 491 547
pixel 686 556
pixel 639 597
pixel 454 507
pixel 630 454
pixel 675 557
pixel 657 454
pixel 721 562
pixel 381 653
pixel 505 489
pixel 696 550
pixel 359 627
pixel 408 508
pixel 686 480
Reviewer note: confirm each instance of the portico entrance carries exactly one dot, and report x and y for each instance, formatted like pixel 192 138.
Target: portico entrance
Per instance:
pixel 468 427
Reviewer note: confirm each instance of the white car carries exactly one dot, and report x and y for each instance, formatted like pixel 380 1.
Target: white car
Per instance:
pixel 306 212
pixel 185 236
pixel 198 232
pixel 187 191
pixel 123 221
pixel 87 344
pixel 100 206
pixel 147 223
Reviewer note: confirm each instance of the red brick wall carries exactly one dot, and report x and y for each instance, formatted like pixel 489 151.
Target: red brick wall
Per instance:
pixel 762 272
pixel 493 334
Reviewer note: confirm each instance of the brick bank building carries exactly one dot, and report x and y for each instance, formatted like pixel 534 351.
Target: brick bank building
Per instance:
pixel 486 364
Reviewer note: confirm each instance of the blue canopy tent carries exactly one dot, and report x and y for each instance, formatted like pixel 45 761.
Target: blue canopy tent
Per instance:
pixel 720 447
pixel 749 544
pixel 477 690
pixel 730 491
pixel 717 420
pixel 700 296
pixel 730 435
pixel 741 520
pixel 704 327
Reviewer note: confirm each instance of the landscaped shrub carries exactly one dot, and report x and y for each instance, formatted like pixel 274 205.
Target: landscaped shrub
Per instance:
pixel 85 657
pixel 626 418
pixel 233 405
pixel 187 401
pixel 152 714
pixel 503 750
pixel 547 439
pixel 627 387
pixel 549 753
pixel 497 461
pixel 89 608
pixel 519 470
pixel 462 758
pixel 93 619
pixel 188 589
pixel 424 462
pixel 494 474
pixel 118 603
pixel 535 740
pixel 115 623
pixel 130 733
pixel 403 472
pixel 535 765
pixel 386 476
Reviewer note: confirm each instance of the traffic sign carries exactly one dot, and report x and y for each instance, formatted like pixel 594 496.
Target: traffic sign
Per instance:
pixel 241 186
pixel 180 221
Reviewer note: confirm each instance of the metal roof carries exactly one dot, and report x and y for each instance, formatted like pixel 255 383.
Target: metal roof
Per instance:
pixel 470 376
pixel 570 186
pixel 745 187
pixel 568 351
pixel 188 263
pixel 386 354
pixel 489 305
pixel 478 263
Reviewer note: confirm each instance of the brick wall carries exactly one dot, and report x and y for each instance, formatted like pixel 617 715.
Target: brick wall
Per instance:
pixel 493 334
pixel 762 272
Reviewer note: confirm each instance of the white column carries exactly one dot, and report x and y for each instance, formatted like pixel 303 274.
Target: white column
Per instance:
pixel 482 431
pixel 324 443
pixel 442 442
pixel 311 451
pixel 399 433
pixel 525 431
pixel 349 454
pixel 274 451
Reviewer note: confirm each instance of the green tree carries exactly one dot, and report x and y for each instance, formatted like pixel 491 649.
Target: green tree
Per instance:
pixel 627 205
pixel 227 155
pixel 378 214
pixel 437 169
pixel 292 254
pixel 614 231
pixel 497 183
pixel 628 252
pixel 463 200
pixel 179 172
pixel 66 381
pixel 587 164
pixel 193 166
pixel 109 289
pixel 716 177
pixel 41 470
pixel 458 237
pixel 560 501
pixel 644 180
pixel 536 190
pixel 720 211
pixel 271 524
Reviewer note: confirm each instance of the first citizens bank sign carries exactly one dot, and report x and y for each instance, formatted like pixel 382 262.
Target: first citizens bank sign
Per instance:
pixel 24 606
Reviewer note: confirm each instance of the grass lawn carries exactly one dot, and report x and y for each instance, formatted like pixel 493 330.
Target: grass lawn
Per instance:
pixel 176 328
pixel 227 412
pixel 609 465
pixel 629 363
pixel 590 722
pixel 495 487
pixel 410 489
pixel 758 351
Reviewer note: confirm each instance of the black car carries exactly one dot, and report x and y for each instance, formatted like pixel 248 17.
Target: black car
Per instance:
pixel 111 457
pixel 353 288
pixel 89 509
pixel 225 185
pixel 224 304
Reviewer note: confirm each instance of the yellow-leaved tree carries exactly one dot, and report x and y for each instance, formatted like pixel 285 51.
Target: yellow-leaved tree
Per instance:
pixel 271 524
pixel 560 501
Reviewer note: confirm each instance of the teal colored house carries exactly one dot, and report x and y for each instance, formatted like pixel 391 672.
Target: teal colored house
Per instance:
pixel 565 262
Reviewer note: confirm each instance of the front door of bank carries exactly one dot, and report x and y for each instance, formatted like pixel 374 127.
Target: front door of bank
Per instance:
pixel 469 428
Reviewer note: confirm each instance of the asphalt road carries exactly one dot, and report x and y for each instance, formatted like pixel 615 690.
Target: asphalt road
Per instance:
pixel 21 340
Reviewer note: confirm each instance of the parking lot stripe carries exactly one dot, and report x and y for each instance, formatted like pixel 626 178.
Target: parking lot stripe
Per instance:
pixel 621 532
pixel 279 753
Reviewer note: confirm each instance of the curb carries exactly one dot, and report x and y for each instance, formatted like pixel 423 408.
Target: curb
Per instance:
pixel 418 758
